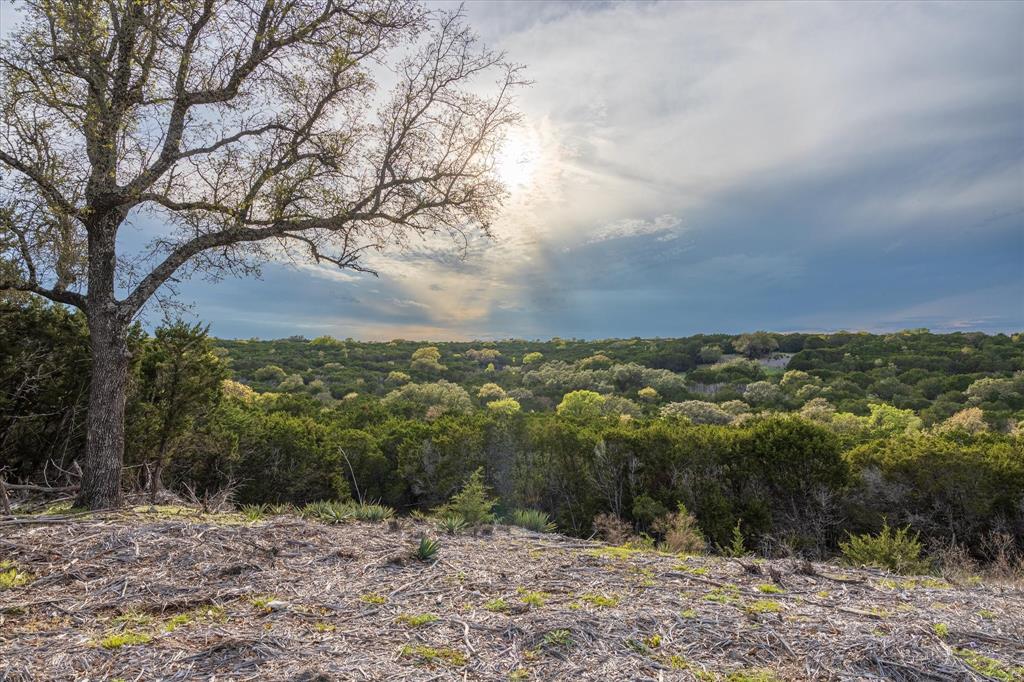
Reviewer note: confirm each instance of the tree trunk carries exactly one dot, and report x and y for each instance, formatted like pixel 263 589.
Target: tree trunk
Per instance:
pixel 104 444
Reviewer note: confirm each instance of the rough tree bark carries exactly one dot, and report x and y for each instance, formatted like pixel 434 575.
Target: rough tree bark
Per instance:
pixel 108 389
pixel 104 448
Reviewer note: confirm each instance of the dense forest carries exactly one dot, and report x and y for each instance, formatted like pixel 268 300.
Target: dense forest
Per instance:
pixel 786 442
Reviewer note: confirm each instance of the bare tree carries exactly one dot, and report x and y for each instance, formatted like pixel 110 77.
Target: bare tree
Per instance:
pixel 248 129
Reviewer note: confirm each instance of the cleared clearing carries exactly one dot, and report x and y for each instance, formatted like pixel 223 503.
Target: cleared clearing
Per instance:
pixel 178 595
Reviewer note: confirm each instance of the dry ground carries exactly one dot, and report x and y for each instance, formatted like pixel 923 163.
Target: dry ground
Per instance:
pixel 140 596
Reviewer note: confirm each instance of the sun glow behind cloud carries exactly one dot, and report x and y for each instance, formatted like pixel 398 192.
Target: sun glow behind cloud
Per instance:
pixel 689 167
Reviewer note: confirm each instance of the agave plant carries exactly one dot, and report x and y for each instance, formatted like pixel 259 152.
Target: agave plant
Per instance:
pixel 314 510
pixel 532 519
pixel 338 512
pixel 328 512
pixel 279 509
pixel 254 512
pixel 373 512
pixel 427 549
pixel 451 524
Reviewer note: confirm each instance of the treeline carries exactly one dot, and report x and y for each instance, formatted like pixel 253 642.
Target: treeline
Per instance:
pixel 935 375
pixel 635 448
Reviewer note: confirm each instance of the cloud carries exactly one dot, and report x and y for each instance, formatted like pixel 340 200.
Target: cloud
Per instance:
pixel 665 227
pixel 697 167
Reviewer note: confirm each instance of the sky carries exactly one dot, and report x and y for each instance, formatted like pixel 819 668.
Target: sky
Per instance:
pixel 693 168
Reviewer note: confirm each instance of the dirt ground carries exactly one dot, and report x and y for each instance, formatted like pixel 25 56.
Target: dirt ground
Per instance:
pixel 175 595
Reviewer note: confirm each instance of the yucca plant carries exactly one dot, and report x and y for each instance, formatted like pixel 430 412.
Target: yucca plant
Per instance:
pixel 279 509
pixel 451 524
pixel 372 512
pixel 339 512
pixel 427 549
pixel 532 519
pixel 254 512
pixel 314 510
pixel 328 512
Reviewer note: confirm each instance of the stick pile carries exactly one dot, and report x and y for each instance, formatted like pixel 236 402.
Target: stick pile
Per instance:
pixel 182 596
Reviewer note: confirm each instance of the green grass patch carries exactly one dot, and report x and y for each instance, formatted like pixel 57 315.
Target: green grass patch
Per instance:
pixel 723 595
pixel 373 598
pixel 533 599
pixel 558 638
pixel 603 601
pixel 752 675
pixel 769 588
pixel 763 606
pixel 990 667
pixel 127 638
pixel 497 605
pixel 675 662
pixel 262 601
pixel 202 613
pixel 620 552
pixel 415 620
pixel 133 618
pixel 11 576
pixel 432 655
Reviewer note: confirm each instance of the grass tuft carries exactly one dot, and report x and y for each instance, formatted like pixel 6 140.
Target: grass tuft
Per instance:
pixel 415 620
pixel 11 577
pixel 127 638
pixel 431 655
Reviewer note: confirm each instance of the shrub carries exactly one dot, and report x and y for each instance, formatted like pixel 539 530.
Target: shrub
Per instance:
pixel 648 395
pixel 970 420
pixel 710 354
pixel 427 360
pixel 489 392
pixel 697 411
pixel 416 400
pixel 506 407
pixel 894 549
pixel 737 547
pixel 472 503
pixel 682 535
pixel 612 529
pixel 271 374
pixel 532 519
pixel 581 405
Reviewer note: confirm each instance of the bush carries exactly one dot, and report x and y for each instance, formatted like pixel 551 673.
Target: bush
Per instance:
pixel 612 529
pixel 682 535
pixel 472 503
pixel 581 405
pixel 697 411
pixel 489 392
pixel 419 400
pixel 894 549
pixel 950 486
pixel 506 407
